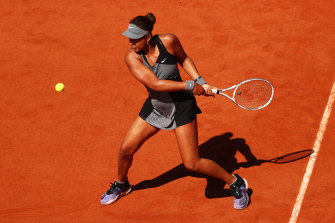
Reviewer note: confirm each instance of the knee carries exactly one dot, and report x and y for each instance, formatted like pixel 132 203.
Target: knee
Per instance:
pixel 192 165
pixel 126 149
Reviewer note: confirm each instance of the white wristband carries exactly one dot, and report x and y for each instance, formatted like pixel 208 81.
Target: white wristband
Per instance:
pixel 190 85
pixel 200 80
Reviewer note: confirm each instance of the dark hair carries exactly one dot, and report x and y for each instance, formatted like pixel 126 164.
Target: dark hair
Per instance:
pixel 145 22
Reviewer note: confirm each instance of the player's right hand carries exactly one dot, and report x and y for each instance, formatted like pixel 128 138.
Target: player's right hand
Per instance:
pixel 198 89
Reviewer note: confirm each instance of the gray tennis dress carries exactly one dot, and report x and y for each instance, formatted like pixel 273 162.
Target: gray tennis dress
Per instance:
pixel 167 110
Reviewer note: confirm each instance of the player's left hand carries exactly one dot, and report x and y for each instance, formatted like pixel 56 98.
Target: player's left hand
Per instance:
pixel 205 86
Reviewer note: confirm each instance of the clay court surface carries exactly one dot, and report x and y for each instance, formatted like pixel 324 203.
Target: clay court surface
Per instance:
pixel 58 150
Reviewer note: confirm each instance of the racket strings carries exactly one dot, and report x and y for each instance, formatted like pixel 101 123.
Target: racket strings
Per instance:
pixel 253 94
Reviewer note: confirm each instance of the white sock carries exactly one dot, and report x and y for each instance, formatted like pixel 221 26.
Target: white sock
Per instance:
pixel 120 182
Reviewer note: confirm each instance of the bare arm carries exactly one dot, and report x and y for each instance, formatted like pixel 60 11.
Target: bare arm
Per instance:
pixel 185 61
pixel 149 79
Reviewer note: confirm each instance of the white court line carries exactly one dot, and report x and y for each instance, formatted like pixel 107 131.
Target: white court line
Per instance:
pixel 311 162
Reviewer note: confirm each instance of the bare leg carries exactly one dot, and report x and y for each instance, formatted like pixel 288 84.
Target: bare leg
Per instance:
pixel 187 138
pixel 137 134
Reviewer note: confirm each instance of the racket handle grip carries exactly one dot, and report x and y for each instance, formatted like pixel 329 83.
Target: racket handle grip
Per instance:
pixel 215 91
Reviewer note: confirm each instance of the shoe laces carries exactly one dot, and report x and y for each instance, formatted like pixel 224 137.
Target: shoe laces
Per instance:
pixel 237 192
pixel 113 188
pixel 236 188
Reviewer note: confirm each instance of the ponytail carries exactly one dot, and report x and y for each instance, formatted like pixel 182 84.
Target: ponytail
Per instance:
pixel 145 22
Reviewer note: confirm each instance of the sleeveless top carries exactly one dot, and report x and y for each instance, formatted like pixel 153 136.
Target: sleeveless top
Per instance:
pixel 167 110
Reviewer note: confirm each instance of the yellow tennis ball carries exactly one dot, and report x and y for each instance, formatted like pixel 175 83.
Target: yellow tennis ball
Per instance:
pixel 59 87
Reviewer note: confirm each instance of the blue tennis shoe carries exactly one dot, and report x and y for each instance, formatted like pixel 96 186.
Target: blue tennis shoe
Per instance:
pixel 116 191
pixel 239 188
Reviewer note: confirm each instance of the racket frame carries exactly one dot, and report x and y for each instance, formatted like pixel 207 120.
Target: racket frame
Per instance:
pixel 220 91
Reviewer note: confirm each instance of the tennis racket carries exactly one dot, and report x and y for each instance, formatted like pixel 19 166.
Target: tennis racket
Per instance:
pixel 252 94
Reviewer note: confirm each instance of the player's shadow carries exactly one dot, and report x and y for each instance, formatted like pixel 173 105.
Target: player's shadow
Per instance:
pixel 222 150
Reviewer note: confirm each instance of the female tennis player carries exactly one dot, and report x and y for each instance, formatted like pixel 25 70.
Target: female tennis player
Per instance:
pixel 153 60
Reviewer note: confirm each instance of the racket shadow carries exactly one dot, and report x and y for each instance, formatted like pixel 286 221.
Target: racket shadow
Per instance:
pixel 222 150
pixel 288 158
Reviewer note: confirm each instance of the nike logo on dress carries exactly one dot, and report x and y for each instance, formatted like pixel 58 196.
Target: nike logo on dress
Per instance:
pixel 164 60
